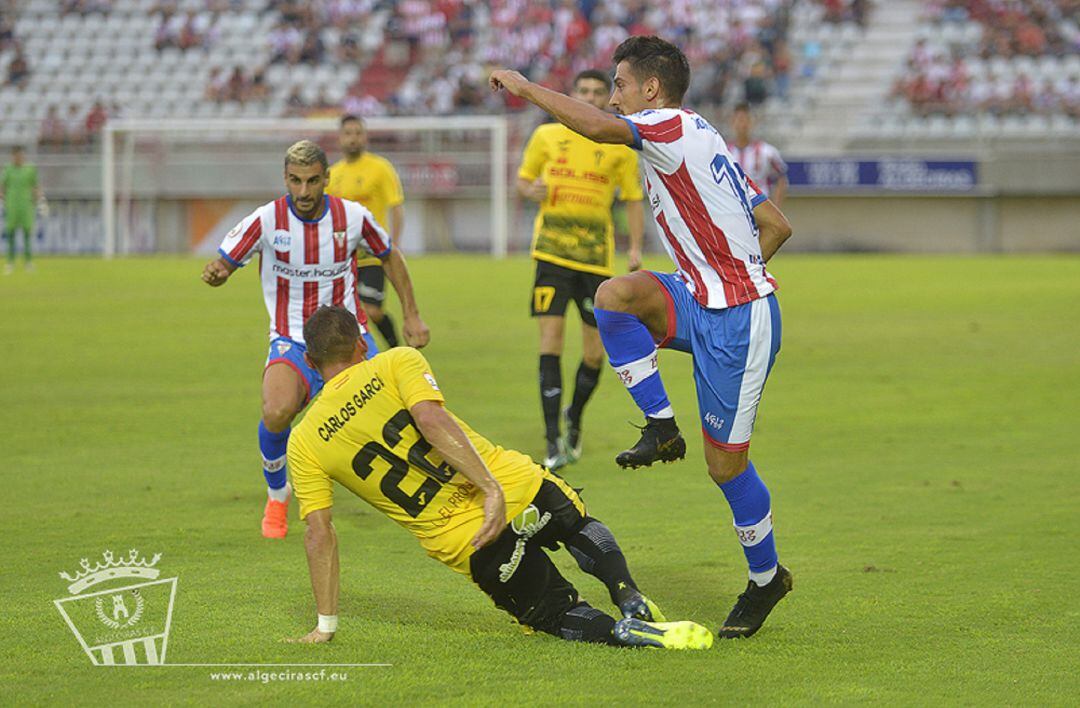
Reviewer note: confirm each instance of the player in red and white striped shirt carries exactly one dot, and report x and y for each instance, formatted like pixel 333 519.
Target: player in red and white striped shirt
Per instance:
pixel 719 229
pixel 760 161
pixel 306 242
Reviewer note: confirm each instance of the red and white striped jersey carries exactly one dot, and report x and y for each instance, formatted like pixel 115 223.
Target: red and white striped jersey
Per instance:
pixel 761 162
pixel 703 205
pixel 304 264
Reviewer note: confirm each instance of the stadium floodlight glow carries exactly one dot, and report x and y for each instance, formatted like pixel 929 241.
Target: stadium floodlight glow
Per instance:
pixel 191 159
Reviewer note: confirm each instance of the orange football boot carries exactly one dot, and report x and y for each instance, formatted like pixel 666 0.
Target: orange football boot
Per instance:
pixel 275 522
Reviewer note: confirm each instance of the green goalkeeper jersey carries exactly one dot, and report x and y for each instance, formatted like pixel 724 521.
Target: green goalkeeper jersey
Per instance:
pixel 18 185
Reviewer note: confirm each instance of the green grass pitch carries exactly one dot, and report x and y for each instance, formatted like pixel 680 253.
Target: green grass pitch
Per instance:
pixel 918 435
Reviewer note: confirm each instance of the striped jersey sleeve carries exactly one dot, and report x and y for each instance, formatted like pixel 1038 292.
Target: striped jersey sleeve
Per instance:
pixel 372 238
pixel 244 240
pixel 657 136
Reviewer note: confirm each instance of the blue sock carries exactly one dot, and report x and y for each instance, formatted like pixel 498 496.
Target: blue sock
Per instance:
pixel 633 355
pixel 751 506
pixel 273 446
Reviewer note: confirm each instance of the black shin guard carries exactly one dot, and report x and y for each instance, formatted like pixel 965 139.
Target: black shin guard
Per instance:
pixel 584 623
pixel 386 329
pixel 550 394
pixel 598 554
pixel 584 385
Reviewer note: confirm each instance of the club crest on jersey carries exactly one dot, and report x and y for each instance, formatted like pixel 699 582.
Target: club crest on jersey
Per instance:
pixel 282 240
pixel 283 347
pixel 339 237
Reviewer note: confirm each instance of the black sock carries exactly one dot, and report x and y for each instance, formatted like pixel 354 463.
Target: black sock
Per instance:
pixel 386 329
pixel 598 554
pixel 584 623
pixel 584 385
pixel 550 394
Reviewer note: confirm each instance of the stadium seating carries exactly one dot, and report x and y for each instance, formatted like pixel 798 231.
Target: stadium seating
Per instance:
pixel 987 69
pixel 158 58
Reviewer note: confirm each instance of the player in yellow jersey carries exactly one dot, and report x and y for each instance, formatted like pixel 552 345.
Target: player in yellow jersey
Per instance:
pixel 362 176
pixel 380 429
pixel 575 181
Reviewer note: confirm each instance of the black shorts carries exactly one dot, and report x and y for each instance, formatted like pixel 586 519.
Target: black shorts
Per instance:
pixel 555 286
pixel 516 572
pixel 371 284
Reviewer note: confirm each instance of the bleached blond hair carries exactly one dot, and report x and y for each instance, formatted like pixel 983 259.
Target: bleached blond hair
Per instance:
pixel 305 152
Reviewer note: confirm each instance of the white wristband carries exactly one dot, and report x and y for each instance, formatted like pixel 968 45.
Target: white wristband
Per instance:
pixel 327 624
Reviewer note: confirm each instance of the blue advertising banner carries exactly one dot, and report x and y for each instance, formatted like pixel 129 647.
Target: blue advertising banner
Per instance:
pixel 889 174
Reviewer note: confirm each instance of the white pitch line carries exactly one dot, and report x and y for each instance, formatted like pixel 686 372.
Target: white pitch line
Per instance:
pixel 226 664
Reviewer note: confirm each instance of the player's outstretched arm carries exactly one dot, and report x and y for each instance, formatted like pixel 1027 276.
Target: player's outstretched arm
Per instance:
pixel 446 436
pixel 774 228
pixel 217 271
pixel 320 542
pixel 578 116
pixel 415 331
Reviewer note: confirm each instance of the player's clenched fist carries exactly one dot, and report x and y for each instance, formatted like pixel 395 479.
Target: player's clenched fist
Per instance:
pixel 216 273
pixel 508 79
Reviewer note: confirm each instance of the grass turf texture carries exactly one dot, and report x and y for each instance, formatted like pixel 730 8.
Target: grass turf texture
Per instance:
pixel 917 435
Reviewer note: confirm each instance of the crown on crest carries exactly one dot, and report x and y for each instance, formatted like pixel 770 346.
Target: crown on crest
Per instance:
pixel 111 568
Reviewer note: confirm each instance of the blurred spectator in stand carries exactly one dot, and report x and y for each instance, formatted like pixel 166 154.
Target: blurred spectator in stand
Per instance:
pixel 285 42
pixel 18 71
pixel 1023 90
pixel 295 105
pixel 1046 100
pixel 7 31
pixel 860 12
pixel 312 50
pixel 781 67
pixel 95 120
pixel 53 132
pixel 756 84
pixel 1030 39
pixel 215 85
pixel 258 90
pixel 190 34
pixel 76 127
pixel 236 86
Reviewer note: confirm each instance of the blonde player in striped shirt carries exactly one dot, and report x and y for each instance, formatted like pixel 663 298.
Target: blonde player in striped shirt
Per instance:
pixel 307 242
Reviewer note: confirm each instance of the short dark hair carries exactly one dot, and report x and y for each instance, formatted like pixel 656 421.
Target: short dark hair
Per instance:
pixel 330 335
pixel 742 107
pixel 595 75
pixel 350 118
pixel 651 56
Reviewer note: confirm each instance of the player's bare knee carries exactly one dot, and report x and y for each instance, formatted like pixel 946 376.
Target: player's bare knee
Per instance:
pixel 727 466
pixel 277 417
pixel 615 294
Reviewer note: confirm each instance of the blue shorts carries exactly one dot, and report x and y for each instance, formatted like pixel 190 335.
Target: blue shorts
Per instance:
pixel 291 353
pixel 733 350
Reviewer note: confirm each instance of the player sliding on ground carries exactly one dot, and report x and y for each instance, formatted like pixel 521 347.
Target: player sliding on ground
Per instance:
pixel 718 306
pixel 380 429
pixel 306 242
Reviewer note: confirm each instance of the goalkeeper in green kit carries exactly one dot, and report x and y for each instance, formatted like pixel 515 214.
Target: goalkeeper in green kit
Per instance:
pixel 20 190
